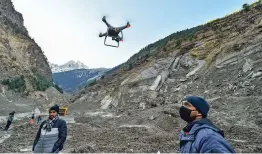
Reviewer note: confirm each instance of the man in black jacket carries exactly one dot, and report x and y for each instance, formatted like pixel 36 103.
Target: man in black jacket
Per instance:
pixel 52 133
pixel 9 120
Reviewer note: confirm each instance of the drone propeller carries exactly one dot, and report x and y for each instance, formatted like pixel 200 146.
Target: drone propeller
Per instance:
pixel 131 21
pixel 98 30
pixel 105 14
pixel 98 33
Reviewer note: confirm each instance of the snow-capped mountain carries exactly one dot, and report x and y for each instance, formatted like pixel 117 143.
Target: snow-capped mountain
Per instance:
pixel 71 65
pixel 69 81
pixel 72 75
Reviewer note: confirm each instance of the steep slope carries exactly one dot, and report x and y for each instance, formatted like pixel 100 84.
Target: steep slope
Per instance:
pixel 72 80
pixel 220 61
pixel 20 55
pixel 23 68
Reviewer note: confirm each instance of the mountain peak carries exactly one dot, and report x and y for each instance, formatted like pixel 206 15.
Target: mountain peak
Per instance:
pixel 68 66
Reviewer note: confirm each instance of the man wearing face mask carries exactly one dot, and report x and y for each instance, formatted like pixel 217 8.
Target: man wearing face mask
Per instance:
pixel 200 135
pixel 52 133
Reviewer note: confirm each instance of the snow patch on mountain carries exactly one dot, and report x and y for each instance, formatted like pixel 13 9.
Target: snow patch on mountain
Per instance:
pixel 70 65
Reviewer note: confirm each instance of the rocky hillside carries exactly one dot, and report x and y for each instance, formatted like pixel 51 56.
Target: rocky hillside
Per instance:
pixel 220 61
pixel 23 68
pixel 21 58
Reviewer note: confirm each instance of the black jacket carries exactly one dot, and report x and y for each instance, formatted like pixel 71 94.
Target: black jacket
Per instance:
pixel 62 129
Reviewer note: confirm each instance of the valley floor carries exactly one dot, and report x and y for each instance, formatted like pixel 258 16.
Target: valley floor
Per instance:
pixel 149 131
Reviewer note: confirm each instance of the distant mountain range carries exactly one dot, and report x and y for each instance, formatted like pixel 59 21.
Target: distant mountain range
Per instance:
pixel 72 75
pixel 71 65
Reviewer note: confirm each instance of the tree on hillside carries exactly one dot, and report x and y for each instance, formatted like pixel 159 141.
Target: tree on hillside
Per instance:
pixel 245 7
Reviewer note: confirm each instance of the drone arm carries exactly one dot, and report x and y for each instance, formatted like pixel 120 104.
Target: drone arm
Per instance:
pixel 107 24
pixel 121 28
pixel 101 35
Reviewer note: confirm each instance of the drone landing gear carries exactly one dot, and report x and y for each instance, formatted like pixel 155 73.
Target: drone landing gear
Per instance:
pixel 117 39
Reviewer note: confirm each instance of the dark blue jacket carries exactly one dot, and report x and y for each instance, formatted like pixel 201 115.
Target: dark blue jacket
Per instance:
pixel 204 137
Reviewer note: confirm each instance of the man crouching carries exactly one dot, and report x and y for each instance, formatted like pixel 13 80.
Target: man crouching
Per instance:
pixel 51 134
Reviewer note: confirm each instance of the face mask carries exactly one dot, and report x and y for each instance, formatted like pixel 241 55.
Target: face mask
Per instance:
pixel 185 114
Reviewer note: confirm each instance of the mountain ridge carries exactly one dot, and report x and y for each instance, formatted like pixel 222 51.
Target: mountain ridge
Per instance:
pixel 71 80
pixel 68 66
pixel 22 59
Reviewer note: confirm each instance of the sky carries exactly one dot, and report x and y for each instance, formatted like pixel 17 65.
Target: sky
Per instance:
pixel 68 29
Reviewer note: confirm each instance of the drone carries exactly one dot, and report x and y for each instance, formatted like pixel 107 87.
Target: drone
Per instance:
pixel 113 32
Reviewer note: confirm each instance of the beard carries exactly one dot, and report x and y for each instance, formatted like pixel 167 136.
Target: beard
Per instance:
pixel 51 117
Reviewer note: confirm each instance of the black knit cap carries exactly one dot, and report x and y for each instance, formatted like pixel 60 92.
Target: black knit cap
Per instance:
pixel 199 103
pixel 54 107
